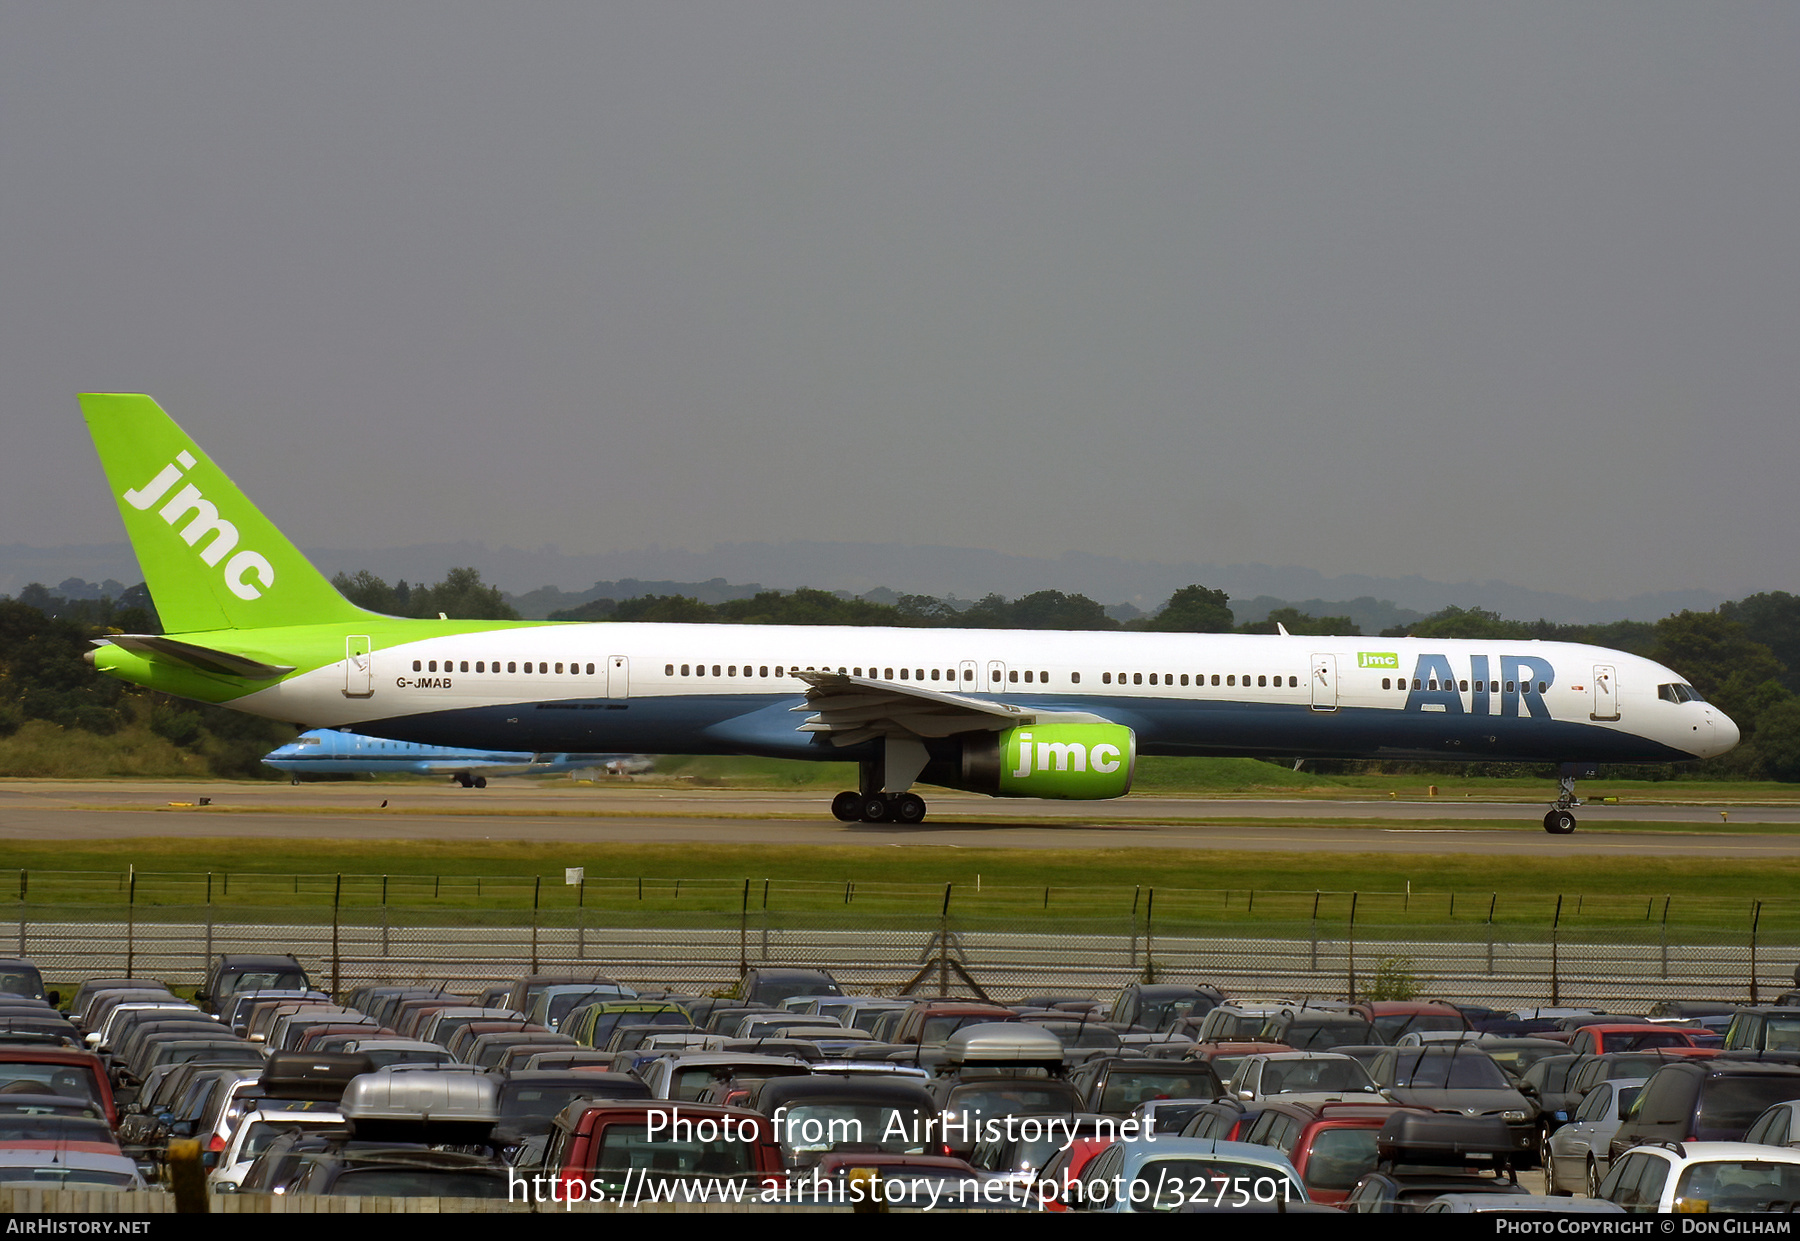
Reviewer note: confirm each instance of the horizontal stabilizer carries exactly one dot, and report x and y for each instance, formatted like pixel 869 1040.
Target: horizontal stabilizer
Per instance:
pixel 204 658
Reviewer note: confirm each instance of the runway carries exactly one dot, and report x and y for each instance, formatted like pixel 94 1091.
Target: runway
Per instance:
pixel 46 810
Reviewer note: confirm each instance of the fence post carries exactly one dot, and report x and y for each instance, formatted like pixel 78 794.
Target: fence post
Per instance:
pixel 1315 932
pixel 1149 936
pixel 581 917
pixel 744 932
pixel 337 898
pixel 944 946
pixel 1755 922
pixel 1350 948
pixel 1493 899
pixel 1555 961
pixel 1136 893
pixel 1665 937
pixel 205 961
pixel 386 919
pixel 537 888
pixel 22 887
pixel 131 925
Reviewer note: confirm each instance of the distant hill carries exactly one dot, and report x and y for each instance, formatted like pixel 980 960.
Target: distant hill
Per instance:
pixel 860 568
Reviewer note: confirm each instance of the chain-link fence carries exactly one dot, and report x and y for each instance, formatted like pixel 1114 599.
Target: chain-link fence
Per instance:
pixel 699 935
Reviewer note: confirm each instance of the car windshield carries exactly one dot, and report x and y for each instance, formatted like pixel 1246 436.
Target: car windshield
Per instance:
pixel 629 1147
pixel 1730 1105
pixel 1170 1184
pixel 420 1183
pixel 1312 1076
pixel 1128 1088
pixel 1467 1071
pixel 1340 1158
pixel 810 1129
pixel 71 1081
pixel 1739 1185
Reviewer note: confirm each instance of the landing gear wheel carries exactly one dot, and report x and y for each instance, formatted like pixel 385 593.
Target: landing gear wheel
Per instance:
pixel 876 809
pixel 846 807
pixel 1559 823
pixel 464 781
pixel 481 782
pixel 909 808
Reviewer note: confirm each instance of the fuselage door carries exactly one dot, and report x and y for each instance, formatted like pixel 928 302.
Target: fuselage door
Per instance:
pixel 618 677
pixel 996 677
pixel 965 677
pixel 359 667
pixel 1606 693
pixel 1324 683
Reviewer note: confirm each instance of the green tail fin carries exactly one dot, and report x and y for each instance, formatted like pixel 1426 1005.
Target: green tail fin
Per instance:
pixel 210 559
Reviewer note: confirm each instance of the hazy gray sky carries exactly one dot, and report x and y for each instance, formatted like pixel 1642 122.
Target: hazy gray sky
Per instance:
pixel 1496 290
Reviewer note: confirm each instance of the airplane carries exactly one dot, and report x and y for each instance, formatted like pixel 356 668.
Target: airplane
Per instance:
pixel 329 751
pixel 1010 713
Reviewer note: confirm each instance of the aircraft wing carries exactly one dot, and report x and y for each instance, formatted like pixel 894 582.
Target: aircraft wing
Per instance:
pixel 850 710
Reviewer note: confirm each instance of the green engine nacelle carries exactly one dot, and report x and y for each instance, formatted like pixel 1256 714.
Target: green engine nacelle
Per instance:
pixel 1074 762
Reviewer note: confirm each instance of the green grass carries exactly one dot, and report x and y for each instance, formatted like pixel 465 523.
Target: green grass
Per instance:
pixel 476 882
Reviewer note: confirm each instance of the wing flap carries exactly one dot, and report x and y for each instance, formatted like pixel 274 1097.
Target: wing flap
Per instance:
pixel 851 710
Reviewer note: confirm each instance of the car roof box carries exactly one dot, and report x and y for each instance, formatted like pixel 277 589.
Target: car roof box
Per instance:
pixel 1003 1043
pixel 319 1076
pixel 1444 1139
pixel 409 1105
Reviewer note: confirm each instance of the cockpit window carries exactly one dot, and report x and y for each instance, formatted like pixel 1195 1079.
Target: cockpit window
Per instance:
pixel 1679 692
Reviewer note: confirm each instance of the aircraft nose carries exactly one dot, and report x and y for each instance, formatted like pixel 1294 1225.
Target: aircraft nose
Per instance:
pixel 1725 734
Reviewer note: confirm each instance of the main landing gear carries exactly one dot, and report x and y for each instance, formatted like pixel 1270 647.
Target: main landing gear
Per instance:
pixel 468 781
pixel 1559 822
pixel 853 807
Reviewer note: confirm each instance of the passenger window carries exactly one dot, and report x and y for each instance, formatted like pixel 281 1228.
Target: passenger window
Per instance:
pixel 731 671
pixel 1509 687
pixel 1542 686
pixel 1462 685
pixel 465 665
pixel 934 674
pixel 1137 678
pixel 777 669
pixel 888 674
pixel 417 667
pixel 903 673
pixel 558 669
pixel 1105 677
pixel 1215 678
pixel 1153 678
pixel 1013 676
pixel 1387 682
pixel 1263 681
pixel 919 674
pixel 1293 682
pixel 715 670
pixel 763 671
pixel 1231 680
pixel 1028 676
pixel 1074 678
pixel 995 675
pixel 511 666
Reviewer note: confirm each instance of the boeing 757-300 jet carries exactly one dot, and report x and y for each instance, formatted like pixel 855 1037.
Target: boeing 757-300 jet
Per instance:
pixel 1010 713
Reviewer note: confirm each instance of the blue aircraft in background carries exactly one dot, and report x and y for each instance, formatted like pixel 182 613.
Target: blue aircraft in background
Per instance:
pixel 326 751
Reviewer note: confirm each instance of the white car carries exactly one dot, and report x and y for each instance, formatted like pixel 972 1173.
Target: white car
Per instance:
pixel 1693 1177
pixel 1578 1159
pixel 259 1128
pixel 1308 1074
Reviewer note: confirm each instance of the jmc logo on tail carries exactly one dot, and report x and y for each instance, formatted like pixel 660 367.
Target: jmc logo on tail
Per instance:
pixel 206 520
